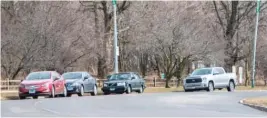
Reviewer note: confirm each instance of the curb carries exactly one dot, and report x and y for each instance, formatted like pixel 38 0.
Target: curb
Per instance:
pixel 258 107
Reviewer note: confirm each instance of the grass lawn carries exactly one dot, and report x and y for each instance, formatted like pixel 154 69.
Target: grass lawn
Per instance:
pixel 14 95
pixel 260 101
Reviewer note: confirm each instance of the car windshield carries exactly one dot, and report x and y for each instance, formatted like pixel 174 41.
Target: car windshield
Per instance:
pixel 72 75
pixel 38 76
pixel 202 72
pixel 120 76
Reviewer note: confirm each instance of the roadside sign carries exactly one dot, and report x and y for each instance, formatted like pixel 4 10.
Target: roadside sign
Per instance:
pixel 114 2
pixel 240 69
pixel 118 51
pixel 162 76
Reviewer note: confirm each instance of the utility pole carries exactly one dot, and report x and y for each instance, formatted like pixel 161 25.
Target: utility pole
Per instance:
pixel 255 44
pixel 116 49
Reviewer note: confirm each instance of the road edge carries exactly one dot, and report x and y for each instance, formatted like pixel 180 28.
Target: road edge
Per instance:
pixel 258 107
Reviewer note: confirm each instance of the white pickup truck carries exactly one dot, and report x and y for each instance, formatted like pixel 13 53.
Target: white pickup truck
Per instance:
pixel 210 79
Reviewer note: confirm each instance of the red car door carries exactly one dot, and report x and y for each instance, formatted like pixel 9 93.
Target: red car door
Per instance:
pixel 56 83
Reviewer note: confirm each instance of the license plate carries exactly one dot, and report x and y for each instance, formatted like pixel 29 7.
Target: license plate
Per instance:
pixel 70 88
pixel 193 85
pixel 112 89
pixel 32 91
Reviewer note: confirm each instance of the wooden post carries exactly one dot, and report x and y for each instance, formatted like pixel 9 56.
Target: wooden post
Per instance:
pixel 8 84
pixel 154 81
pixel 99 83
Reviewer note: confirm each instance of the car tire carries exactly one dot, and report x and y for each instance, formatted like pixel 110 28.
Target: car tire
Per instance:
pixel 231 86
pixel 35 97
pixel 129 89
pixel 52 92
pixel 69 95
pixel 210 87
pixel 141 89
pixel 186 90
pixel 106 93
pixel 81 93
pixel 22 97
pixel 94 91
pixel 64 92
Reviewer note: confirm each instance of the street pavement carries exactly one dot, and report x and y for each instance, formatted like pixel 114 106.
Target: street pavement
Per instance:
pixel 172 104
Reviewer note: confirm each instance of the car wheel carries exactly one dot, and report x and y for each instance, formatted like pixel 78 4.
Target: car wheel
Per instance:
pixel 106 93
pixel 95 91
pixel 186 90
pixel 129 89
pixel 64 92
pixel 141 89
pixel 22 97
pixel 68 95
pixel 231 86
pixel 210 87
pixel 35 97
pixel 81 91
pixel 52 92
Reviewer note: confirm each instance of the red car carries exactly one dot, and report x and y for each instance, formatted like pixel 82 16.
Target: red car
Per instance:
pixel 43 83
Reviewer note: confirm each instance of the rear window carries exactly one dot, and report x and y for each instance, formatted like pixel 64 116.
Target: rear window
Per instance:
pixel 72 75
pixel 38 76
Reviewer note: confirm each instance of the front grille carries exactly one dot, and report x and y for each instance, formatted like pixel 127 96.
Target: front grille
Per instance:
pixel 196 80
pixel 32 86
pixel 68 84
pixel 112 84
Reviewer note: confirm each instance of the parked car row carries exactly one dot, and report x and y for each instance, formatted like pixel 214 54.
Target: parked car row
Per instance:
pixel 52 84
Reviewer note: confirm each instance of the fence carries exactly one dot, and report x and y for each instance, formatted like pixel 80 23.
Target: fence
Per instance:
pixel 14 84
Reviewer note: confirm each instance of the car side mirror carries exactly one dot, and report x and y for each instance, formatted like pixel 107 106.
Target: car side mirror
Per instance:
pixel 215 73
pixel 56 79
pixel 133 78
pixel 108 76
pixel 85 78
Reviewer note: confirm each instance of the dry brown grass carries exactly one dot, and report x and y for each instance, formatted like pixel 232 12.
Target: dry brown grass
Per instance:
pixel 260 101
pixel 249 88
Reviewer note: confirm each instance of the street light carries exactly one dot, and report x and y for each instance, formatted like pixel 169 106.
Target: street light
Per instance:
pixel 255 44
pixel 116 51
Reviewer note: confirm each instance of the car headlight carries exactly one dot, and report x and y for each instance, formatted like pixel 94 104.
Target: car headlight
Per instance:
pixel 204 79
pixel 22 86
pixel 121 84
pixel 105 85
pixel 75 84
pixel 45 85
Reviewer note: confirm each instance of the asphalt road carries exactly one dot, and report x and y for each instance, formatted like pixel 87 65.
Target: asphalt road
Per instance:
pixel 175 104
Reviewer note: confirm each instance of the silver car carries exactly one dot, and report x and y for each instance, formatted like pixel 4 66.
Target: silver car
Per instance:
pixel 80 83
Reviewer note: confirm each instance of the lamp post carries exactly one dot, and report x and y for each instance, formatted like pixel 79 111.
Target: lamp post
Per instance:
pixel 116 49
pixel 255 44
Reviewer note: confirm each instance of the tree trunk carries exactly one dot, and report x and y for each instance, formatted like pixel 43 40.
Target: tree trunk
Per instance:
pixel 247 73
pixel 101 67
pixel 167 83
